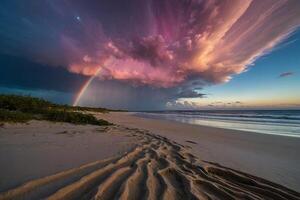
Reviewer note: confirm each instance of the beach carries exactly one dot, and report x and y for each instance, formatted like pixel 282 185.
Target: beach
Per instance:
pixel 149 100
pixel 144 158
pixel 273 157
pixel 40 148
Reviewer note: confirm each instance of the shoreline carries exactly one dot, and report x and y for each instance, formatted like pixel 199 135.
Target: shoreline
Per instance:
pixel 273 157
pixel 215 125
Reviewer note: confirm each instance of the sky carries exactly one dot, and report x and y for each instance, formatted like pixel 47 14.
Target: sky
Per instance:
pixel 153 54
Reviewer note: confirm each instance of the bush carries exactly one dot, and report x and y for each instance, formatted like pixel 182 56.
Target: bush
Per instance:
pixel 73 117
pixel 21 109
pixel 23 103
pixel 14 116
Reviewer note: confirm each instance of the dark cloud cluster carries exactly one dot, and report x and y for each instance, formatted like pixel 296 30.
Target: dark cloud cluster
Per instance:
pixel 285 74
pixel 189 94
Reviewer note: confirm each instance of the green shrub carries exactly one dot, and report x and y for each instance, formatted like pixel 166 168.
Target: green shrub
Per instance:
pixel 73 117
pixel 24 103
pixel 23 108
pixel 14 116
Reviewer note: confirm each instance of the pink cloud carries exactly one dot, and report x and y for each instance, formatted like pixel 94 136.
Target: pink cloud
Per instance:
pixel 206 40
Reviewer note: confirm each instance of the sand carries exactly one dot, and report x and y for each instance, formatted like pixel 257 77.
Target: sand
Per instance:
pixel 40 148
pixel 152 165
pixel 275 158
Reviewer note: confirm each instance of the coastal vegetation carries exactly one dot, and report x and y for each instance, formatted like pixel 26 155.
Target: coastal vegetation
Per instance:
pixel 15 108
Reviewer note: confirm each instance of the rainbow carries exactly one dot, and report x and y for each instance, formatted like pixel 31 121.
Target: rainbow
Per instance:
pixel 85 86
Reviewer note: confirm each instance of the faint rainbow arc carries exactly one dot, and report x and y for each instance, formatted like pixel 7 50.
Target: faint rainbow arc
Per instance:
pixel 85 86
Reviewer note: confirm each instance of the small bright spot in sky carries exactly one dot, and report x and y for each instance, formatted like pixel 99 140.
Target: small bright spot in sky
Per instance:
pixel 78 18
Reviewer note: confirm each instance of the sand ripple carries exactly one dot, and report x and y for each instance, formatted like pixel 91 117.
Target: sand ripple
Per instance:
pixel 156 169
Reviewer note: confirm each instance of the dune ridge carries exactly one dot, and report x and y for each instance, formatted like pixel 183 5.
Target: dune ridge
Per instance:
pixel 157 168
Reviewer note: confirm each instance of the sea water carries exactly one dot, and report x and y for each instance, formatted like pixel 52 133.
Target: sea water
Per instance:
pixel 277 122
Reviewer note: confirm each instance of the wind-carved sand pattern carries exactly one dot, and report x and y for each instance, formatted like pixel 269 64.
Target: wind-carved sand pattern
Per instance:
pixel 157 168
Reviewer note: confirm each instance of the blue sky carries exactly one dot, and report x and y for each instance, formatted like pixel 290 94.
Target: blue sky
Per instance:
pixel 261 82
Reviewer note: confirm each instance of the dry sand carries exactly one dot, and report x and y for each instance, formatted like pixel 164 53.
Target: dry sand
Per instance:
pixel 40 148
pixel 156 166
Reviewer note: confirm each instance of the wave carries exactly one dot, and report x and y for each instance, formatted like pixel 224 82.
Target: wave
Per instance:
pixel 283 122
pixel 288 115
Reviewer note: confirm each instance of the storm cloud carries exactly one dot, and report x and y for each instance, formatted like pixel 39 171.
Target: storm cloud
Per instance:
pixel 169 47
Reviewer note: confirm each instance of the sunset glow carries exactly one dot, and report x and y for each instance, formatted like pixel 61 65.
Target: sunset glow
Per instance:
pixel 181 49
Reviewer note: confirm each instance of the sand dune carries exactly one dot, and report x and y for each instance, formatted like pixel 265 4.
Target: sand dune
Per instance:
pixel 157 168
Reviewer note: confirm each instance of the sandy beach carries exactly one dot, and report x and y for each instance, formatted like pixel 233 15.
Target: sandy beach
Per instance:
pixel 272 157
pixel 149 100
pixel 141 158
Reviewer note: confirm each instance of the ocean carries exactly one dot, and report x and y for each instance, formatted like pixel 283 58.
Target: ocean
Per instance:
pixel 276 122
